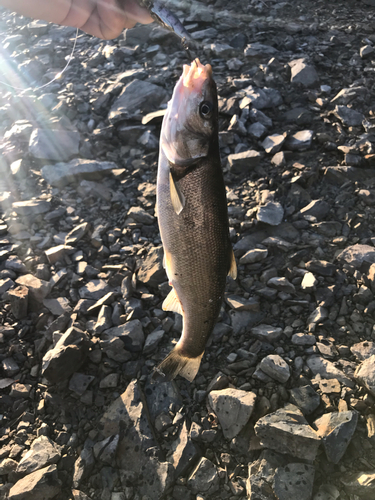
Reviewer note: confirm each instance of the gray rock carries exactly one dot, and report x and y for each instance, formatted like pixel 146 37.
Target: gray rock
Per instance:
pixel 38 289
pixel 10 367
pixel 94 290
pixel 321 267
pixel 105 450
pixel 326 369
pixel 348 116
pixel 275 367
pixel 305 398
pixel 136 99
pixel 327 492
pixel 233 408
pixel 366 51
pixel 31 207
pixel 67 356
pixel 104 320
pixel 260 481
pixel 295 480
pixel 271 213
pixel 79 382
pixel 57 145
pixel 303 339
pixel 254 255
pixel 138 214
pixel 131 334
pixel 243 162
pixel 240 304
pixel 7 466
pixel 152 341
pixel 356 255
pixel 76 234
pixel 151 271
pixel 184 452
pixel 204 479
pixel 62 174
pixel 336 430
pixel 43 452
pixel 300 141
pixel 287 431
pixel 273 143
pixel 42 484
pixel 360 484
pixel 363 350
pixel 303 73
pixel 365 374
pixel 257 130
pixel 281 284
pixel 84 464
pixel 6 285
pixel 261 98
pixel 58 306
pixel 267 332
pixel 317 208
pixel 257 49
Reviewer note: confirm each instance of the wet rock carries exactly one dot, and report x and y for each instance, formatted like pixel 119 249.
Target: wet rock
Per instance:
pixel 57 145
pixel 204 479
pixel 295 480
pixel 303 73
pixel 62 174
pixel 287 431
pixel 233 408
pixel 336 430
pixel 42 484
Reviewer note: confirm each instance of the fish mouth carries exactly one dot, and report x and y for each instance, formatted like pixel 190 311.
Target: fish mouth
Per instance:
pixel 195 75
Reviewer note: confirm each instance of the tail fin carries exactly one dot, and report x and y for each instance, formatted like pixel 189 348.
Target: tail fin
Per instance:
pixel 177 364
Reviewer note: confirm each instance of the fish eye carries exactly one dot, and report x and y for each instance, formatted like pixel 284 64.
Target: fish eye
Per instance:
pixel 205 109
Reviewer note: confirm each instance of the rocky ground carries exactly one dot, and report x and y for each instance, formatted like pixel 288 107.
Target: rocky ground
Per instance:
pixel 283 405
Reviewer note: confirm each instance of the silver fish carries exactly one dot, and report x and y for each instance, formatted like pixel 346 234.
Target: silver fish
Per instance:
pixel 193 217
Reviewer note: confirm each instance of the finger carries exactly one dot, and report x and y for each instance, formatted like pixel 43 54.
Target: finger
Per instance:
pixel 136 13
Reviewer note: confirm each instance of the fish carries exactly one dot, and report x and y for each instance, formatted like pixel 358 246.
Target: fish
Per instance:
pixel 164 17
pixel 193 217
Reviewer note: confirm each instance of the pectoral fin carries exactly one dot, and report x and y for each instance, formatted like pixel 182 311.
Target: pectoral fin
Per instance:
pixel 233 266
pixel 171 303
pixel 177 198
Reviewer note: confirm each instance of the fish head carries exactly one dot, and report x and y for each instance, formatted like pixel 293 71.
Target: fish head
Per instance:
pixel 191 122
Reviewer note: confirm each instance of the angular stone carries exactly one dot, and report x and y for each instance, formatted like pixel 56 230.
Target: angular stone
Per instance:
pixel 233 408
pixel 131 334
pixel 363 350
pixel 336 430
pixel 295 480
pixel 19 300
pixel 317 208
pixel 38 289
pixel 79 382
pixel 360 484
pixel 356 255
pixel 152 341
pixel 326 369
pixel 303 339
pixel 184 452
pixel 242 162
pixel 271 213
pixel 348 116
pixel 281 284
pixel 139 214
pixel 77 233
pixel 204 479
pixel 260 481
pixel 254 255
pixel 365 374
pixel 41 484
pixel 57 306
pixel 136 99
pixel 257 49
pixel 287 431
pixel 31 207
pixel 267 332
pixel 305 398
pixel 303 73
pixel 58 145
pixel 273 143
pixel 5 285
pixel 275 367
pixel 43 452
pixel 151 271
pixel 300 141
pixel 261 98
pixel 62 174
pixel 95 290
pixel 321 267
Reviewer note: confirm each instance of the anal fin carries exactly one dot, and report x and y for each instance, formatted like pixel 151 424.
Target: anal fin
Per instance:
pixel 177 198
pixel 172 303
pixel 233 266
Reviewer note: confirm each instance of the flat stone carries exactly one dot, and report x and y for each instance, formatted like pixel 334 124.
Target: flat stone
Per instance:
pixel 287 431
pixel 254 255
pixel 326 369
pixel 295 480
pixel 5 285
pixel 330 386
pixel 58 306
pixel 321 267
pixel 79 382
pixel 76 234
pixel 317 208
pixel 41 484
pixel 257 49
pixel 136 99
pixel 95 290
pixel 139 214
pixel 273 143
pixel 336 430
pixel 281 284
pixel 204 479
pixel 267 332
pixel 275 367
pixel 58 145
pixel 152 341
pixel 365 374
pixel 305 398
pixel 243 162
pixel 131 334
pixel 233 408
pixel 303 339
pixel 31 207
pixel 62 174
pixel 300 141
pixel 241 304
pixel 348 116
pixel 271 213
pixel 43 452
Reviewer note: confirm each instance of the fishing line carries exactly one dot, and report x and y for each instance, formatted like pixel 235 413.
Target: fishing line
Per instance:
pixel 56 77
